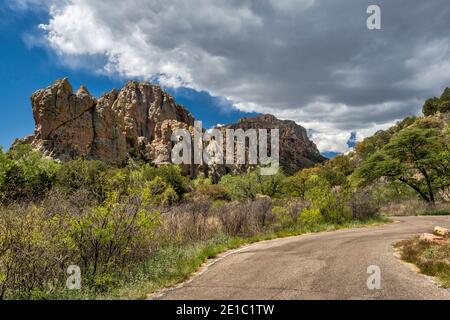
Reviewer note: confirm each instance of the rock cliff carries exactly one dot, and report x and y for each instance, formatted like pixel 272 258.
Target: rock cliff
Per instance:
pixel 296 150
pixel 137 122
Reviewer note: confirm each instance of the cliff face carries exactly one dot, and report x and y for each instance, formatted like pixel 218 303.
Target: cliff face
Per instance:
pixel 296 150
pixel 138 121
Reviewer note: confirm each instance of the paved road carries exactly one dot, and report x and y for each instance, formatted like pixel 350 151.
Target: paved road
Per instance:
pixel 319 266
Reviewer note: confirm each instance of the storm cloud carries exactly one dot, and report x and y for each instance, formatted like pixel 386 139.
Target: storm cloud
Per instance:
pixel 313 61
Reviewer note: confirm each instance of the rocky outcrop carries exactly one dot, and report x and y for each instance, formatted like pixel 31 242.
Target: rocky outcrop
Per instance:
pixel 135 121
pixel 431 238
pixel 138 122
pixel 296 150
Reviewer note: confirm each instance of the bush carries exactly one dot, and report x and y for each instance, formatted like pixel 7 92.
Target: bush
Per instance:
pixel 84 174
pixel 331 203
pixel 296 186
pixel 38 243
pixel 363 205
pixel 213 191
pixel 111 237
pixel 311 217
pixel 158 193
pixel 248 186
pixel 282 216
pixel 25 175
pixel 33 252
pixel 171 174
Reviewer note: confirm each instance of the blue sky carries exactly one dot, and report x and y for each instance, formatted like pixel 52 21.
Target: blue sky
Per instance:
pixel 25 68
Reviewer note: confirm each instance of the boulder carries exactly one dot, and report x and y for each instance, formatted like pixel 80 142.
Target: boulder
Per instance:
pixel 431 238
pixel 443 232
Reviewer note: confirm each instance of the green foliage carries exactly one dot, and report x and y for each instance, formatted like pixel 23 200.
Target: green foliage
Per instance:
pixel 391 191
pixel 84 174
pixel 248 186
pixel 311 217
pixel 295 186
pixel 158 193
pixel 376 142
pixel 214 192
pixel 33 250
pixel 435 104
pixel 25 174
pixel 282 216
pixel 331 205
pixel 417 157
pixel 437 212
pixel 171 174
pixel 111 236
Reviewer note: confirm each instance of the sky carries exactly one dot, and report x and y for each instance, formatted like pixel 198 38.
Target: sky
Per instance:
pixel 311 61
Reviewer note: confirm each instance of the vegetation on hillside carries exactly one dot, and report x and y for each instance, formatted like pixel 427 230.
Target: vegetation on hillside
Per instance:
pixel 140 224
pixel 112 222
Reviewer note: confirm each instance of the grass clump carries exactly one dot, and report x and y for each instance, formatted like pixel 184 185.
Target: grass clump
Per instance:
pixel 431 259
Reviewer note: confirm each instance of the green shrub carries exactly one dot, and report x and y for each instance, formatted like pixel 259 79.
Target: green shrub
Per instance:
pixel 331 204
pixel 311 217
pixel 213 191
pixel 158 193
pixel 111 237
pixel 248 186
pixel 84 174
pixel 282 216
pixel 171 174
pixel 25 175
pixel 33 252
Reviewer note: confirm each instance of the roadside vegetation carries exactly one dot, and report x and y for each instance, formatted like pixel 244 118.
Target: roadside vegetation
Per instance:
pixel 136 229
pixel 431 259
pixel 145 225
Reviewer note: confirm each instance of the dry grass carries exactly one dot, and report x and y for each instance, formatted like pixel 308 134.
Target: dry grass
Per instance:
pixel 431 259
pixel 414 207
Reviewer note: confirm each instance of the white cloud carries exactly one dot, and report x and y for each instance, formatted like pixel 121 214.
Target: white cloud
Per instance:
pixel 306 60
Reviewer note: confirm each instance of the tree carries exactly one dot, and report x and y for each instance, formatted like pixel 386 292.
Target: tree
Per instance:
pixel 415 157
pixel 248 186
pixel 329 202
pixel 171 174
pixel 435 104
pixel 25 174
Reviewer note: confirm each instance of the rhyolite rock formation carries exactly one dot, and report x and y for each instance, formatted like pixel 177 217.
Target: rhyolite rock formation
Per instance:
pixel 137 122
pixel 296 150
